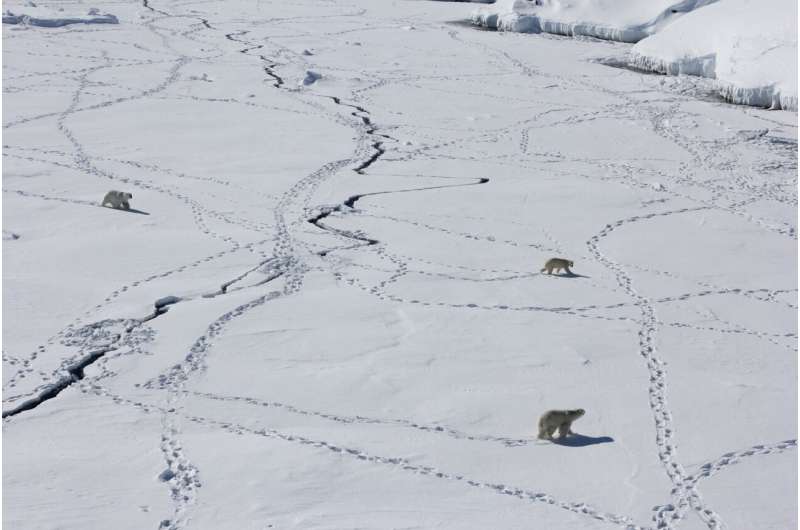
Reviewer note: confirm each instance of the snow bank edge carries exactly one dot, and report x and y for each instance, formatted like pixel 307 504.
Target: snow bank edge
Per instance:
pixel 766 96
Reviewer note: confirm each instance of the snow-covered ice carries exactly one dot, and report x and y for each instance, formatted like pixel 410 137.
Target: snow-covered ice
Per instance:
pixel 751 51
pixel 749 47
pixel 326 309
pixel 619 20
pixel 53 15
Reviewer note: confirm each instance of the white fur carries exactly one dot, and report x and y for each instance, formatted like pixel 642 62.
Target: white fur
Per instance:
pixel 558 419
pixel 117 199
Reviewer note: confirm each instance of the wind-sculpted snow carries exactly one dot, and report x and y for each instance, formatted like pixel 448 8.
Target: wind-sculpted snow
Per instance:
pixel 327 309
pixel 30 14
pixel 623 21
pixel 750 51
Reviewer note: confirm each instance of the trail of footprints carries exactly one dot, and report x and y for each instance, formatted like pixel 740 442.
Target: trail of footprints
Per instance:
pixel 732 458
pixel 465 235
pixel 82 162
pixel 184 478
pixel 684 492
pixel 404 465
pixel 198 212
pixel 431 428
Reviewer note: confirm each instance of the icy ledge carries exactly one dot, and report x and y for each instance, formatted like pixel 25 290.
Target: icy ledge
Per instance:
pixel 751 51
pixel 42 17
pixel 768 96
pixel 617 20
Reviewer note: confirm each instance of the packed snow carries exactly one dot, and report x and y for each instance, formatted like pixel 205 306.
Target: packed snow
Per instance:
pixel 751 51
pixel 325 309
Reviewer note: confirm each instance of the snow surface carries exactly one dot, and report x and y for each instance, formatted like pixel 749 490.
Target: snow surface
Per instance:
pixel 751 51
pixel 357 334
pixel 618 20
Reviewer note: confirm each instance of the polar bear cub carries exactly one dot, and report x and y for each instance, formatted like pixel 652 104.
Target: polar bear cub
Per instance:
pixel 558 419
pixel 117 199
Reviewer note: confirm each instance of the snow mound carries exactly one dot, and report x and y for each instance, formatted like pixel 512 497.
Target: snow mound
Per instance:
pixel 30 14
pixel 203 77
pixel 311 77
pixel 751 51
pixel 167 300
pixel 618 20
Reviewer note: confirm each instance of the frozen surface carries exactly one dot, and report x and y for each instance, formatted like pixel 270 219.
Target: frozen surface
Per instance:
pixel 619 20
pixel 53 15
pixel 324 309
pixel 750 48
pixel 751 51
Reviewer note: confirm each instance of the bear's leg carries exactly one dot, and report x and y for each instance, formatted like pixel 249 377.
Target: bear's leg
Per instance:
pixel 564 430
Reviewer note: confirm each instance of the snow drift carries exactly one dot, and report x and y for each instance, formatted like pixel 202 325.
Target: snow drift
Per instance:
pixel 619 20
pixel 751 51
pixel 31 14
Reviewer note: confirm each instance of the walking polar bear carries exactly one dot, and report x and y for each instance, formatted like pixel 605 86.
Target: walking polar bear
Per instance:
pixel 117 199
pixel 557 264
pixel 558 419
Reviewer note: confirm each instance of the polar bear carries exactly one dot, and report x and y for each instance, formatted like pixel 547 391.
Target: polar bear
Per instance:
pixel 117 199
pixel 558 419
pixel 558 264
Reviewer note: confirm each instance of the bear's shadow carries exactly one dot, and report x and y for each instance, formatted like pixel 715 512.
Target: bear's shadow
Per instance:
pixel 580 440
pixel 569 275
pixel 131 210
